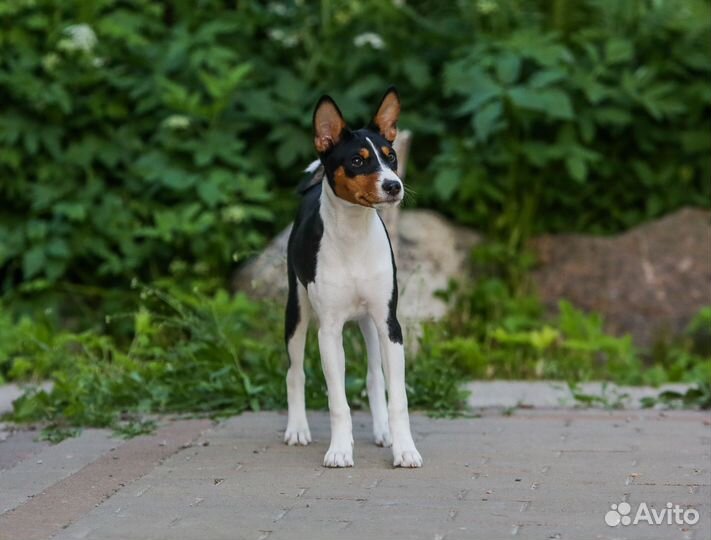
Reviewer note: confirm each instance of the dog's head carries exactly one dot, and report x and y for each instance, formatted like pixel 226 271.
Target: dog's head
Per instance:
pixel 360 165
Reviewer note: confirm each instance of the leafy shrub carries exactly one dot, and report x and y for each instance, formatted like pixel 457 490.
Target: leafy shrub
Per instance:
pixel 494 331
pixel 215 354
pixel 22 347
pixel 142 138
pixel 121 145
pixel 592 120
pixel 188 352
pixel 212 353
pixel 528 116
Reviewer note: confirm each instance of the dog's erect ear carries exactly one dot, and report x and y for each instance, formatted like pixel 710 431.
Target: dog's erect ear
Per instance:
pixel 329 125
pixel 385 120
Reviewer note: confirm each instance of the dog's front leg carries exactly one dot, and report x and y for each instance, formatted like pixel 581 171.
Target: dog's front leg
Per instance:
pixel 404 452
pixel 333 361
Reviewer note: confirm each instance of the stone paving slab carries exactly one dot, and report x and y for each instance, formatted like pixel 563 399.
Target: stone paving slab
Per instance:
pixel 17 445
pixel 68 499
pixel 54 463
pixel 535 474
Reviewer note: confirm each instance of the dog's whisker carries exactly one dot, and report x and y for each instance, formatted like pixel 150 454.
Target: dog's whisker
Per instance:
pixel 408 197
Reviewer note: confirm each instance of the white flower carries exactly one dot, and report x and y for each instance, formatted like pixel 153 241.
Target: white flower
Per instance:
pixel 288 40
pixel 177 121
pixel 369 38
pixel 291 40
pixel 277 8
pixel 81 37
pixel 276 34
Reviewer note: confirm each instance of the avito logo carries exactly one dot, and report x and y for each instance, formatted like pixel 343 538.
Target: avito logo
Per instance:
pixel 671 514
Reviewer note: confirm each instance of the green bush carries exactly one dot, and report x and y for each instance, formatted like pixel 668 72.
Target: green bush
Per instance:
pixel 210 353
pixel 188 352
pixel 497 329
pixel 143 138
pixel 594 120
pixel 122 148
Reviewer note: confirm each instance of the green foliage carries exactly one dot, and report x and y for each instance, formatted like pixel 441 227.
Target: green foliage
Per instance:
pixel 494 331
pixel 209 353
pixel 122 145
pixel 595 122
pixel 698 396
pixel 188 353
pixel 23 346
pixel 609 397
pixel 686 357
pixel 147 139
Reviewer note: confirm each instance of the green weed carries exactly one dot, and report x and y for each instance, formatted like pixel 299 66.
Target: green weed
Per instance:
pixel 189 353
pixel 216 354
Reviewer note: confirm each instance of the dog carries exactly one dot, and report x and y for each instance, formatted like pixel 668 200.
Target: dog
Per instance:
pixel 341 268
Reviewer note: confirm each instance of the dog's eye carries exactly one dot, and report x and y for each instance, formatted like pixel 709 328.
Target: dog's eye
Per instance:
pixel 391 157
pixel 357 161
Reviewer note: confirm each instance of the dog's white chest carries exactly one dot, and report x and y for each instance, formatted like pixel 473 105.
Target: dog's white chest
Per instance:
pixel 353 271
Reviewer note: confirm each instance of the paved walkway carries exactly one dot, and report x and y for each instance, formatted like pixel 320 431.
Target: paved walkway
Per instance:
pixel 545 474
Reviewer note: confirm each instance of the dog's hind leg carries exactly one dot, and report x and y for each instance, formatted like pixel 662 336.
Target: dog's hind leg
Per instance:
pixel 333 362
pixel 376 383
pixel 297 323
pixel 391 347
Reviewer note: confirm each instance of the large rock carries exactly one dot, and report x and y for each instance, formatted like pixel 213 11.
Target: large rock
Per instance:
pixel 648 282
pixel 431 251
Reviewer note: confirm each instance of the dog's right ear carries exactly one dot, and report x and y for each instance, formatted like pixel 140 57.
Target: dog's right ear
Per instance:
pixel 329 125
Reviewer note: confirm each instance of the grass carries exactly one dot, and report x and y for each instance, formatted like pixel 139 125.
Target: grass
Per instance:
pixel 188 352
pixel 210 353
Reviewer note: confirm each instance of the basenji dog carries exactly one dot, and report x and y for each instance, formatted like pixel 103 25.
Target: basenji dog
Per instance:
pixel 341 268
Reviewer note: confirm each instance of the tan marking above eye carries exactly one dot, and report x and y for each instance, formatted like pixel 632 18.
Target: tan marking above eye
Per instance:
pixel 364 153
pixel 361 189
pixel 385 150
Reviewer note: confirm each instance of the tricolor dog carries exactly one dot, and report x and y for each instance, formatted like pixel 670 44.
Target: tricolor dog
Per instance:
pixel 341 268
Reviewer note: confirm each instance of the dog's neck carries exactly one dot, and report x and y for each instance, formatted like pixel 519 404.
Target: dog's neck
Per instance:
pixel 345 220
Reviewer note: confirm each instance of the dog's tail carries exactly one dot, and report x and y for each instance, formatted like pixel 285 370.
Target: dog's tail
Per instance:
pixel 313 174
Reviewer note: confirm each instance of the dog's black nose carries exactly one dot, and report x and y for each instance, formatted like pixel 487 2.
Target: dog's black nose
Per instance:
pixel 391 187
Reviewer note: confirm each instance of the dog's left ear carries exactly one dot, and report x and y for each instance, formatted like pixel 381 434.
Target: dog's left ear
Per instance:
pixel 385 120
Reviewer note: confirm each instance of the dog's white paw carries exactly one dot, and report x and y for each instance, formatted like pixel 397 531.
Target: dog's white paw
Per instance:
pixel 407 458
pixel 298 434
pixel 338 457
pixel 381 436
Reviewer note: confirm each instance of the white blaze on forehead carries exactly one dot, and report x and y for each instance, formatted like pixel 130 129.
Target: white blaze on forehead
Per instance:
pixel 386 173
